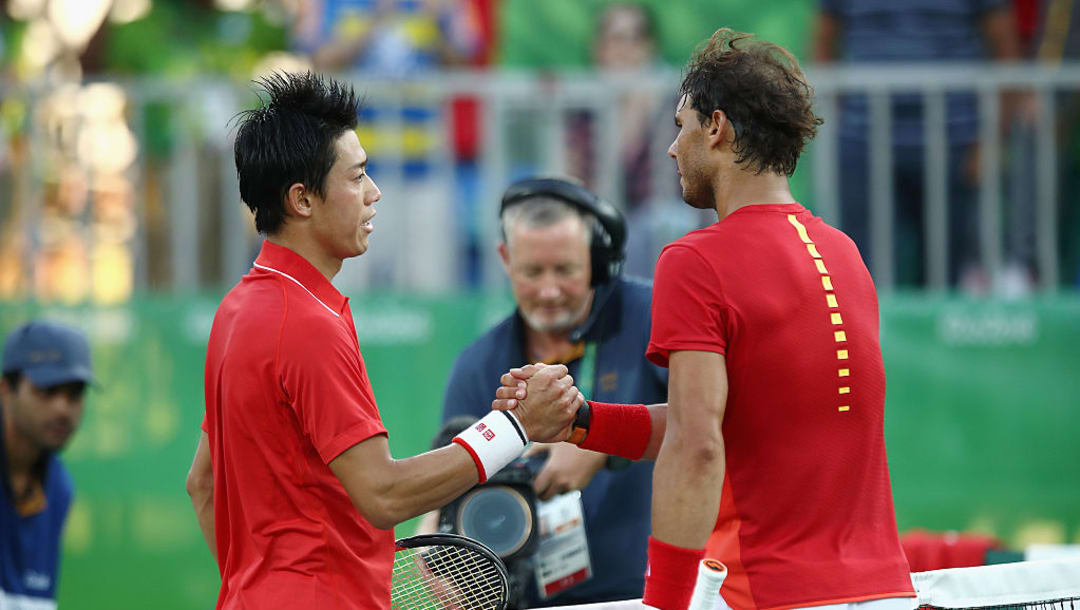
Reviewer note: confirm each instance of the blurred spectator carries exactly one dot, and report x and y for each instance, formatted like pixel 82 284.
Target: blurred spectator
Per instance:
pixel 928 550
pixel 920 31
pixel 46 369
pixel 402 39
pixel 1057 39
pixel 625 43
pixel 391 37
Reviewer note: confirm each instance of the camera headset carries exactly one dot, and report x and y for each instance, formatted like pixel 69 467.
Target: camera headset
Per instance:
pixel 607 246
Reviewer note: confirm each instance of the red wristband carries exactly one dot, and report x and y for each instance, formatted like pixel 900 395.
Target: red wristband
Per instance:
pixel 619 430
pixel 670 577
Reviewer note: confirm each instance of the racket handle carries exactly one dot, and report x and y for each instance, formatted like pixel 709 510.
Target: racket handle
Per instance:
pixel 711 574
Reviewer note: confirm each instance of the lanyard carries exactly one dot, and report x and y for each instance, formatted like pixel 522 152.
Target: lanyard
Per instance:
pixel 587 371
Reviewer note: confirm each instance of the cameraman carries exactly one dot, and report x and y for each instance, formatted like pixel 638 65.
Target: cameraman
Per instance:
pixel 562 249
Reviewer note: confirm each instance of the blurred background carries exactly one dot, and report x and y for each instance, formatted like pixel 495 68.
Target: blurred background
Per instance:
pixel 950 152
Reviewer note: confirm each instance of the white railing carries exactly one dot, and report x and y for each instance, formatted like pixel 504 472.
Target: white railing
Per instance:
pixel 190 231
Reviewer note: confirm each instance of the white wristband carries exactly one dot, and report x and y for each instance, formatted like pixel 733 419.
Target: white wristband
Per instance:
pixel 493 442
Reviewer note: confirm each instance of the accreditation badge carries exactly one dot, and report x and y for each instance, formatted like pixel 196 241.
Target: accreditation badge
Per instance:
pixel 563 558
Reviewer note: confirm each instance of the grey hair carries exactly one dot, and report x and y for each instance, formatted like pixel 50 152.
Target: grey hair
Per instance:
pixel 539 212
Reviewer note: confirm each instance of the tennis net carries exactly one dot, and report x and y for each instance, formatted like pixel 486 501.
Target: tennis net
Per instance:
pixel 1026 585
pixel 1036 585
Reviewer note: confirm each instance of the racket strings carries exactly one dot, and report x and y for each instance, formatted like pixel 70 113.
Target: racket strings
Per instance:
pixel 444 577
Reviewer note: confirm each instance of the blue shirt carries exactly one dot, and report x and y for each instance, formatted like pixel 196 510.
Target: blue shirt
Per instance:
pixel 617 502
pixel 30 545
pixel 911 31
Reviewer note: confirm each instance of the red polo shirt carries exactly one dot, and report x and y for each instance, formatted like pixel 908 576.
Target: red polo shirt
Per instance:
pixel 286 393
pixel 806 514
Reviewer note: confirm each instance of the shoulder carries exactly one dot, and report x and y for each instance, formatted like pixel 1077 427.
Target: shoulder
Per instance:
pixel 59 486
pixel 479 355
pixel 635 293
pixel 685 253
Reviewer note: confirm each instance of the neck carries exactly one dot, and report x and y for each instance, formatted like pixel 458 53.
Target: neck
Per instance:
pixel 300 243
pixel 21 454
pixel 550 345
pixel 741 188
pixel 546 346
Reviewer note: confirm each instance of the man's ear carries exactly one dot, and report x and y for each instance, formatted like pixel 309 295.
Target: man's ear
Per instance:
pixel 298 201
pixel 504 255
pixel 718 127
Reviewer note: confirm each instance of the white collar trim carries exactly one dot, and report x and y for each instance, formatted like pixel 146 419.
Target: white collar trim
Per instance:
pixel 282 273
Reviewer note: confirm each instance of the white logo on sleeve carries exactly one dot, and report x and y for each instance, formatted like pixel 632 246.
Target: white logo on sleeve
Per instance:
pixel 37 580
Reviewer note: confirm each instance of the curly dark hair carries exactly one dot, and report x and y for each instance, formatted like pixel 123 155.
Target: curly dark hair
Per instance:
pixel 763 92
pixel 289 139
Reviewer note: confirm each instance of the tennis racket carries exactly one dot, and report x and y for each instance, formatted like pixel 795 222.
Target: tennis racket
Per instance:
pixel 447 572
pixel 711 574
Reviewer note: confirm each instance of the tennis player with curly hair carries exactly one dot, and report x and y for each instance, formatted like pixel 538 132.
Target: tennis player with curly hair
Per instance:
pixel 770 452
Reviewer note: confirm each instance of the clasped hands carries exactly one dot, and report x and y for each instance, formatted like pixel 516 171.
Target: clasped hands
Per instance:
pixel 544 399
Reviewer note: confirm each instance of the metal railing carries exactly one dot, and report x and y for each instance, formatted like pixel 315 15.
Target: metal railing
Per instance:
pixel 192 232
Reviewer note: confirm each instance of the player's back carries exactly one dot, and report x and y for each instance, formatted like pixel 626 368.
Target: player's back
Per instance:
pixel 806 515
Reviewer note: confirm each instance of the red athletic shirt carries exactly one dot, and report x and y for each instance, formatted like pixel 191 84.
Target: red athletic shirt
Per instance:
pixel 806 515
pixel 286 393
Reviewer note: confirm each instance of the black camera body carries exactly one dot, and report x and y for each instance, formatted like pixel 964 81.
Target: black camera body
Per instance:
pixel 501 513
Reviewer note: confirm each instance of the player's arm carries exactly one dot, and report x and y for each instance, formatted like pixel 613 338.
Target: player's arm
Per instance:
pixel 690 467
pixel 387 491
pixel 688 476
pixel 200 486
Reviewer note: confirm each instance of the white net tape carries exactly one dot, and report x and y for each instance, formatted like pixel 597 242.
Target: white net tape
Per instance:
pixel 1032 584
pixel 1008 584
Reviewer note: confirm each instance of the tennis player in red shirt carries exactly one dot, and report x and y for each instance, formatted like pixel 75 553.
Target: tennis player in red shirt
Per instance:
pixel 770 453
pixel 293 483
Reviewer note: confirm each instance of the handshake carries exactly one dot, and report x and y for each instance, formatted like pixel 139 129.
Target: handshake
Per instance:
pixel 544 399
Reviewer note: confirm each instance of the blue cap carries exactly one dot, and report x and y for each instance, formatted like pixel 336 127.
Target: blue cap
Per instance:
pixel 48 354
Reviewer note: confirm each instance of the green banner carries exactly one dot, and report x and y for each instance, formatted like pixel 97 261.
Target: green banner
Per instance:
pixel 980 424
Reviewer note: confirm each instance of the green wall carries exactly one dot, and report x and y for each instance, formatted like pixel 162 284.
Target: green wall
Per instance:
pixel 981 423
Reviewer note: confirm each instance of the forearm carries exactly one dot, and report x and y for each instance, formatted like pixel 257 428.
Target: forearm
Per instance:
pixel 687 481
pixel 203 502
pixel 658 419
pixel 200 486
pixel 416 485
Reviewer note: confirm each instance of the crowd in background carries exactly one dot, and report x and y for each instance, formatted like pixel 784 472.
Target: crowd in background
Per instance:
pixel 86 210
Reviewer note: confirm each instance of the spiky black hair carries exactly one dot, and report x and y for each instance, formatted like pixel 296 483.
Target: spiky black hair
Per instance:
pixel 289 139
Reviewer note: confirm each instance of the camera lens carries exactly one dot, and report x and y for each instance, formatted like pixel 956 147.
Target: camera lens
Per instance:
pixel 498 516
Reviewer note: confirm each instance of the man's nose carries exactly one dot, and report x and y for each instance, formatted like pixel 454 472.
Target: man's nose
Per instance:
pixel 671 149
pixel 549 289
pixel 66 405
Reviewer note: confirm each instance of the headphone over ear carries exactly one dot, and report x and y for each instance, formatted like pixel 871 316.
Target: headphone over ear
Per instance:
pixel 608 234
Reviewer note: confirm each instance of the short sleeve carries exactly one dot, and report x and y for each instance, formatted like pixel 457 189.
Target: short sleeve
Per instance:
pixel 326 385
pixel 688 310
